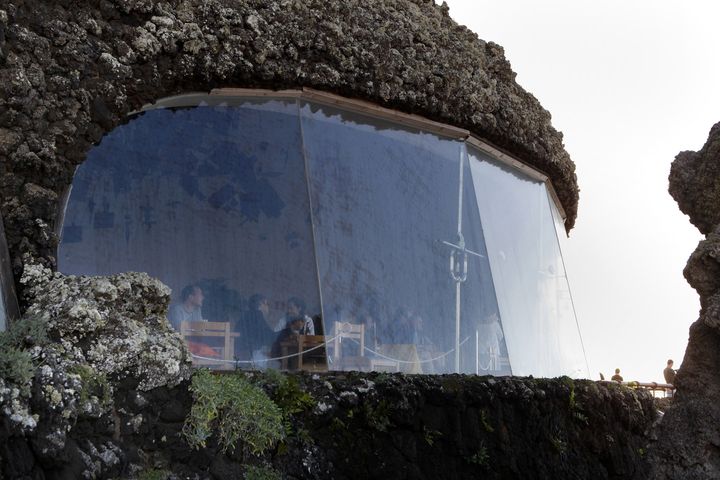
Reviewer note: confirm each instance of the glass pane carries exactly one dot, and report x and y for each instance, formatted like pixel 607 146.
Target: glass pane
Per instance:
pixel 8 300
pixel 385 211
pixel 3 313
pixel 213 201
pixel 532 290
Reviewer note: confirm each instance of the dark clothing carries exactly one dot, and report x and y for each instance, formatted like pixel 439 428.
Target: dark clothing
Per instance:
pixel 669 375
pixel 254 334
pixel 284 334
pixel 616 378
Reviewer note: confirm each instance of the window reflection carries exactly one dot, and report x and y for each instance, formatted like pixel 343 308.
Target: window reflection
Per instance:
pixel 253 210
pixel 533 294
pixel 213 201
pixel 385 204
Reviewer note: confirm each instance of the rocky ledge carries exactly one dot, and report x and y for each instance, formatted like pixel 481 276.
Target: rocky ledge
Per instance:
pixel 688 445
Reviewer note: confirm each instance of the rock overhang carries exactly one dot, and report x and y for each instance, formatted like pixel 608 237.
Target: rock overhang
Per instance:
pixel 71 74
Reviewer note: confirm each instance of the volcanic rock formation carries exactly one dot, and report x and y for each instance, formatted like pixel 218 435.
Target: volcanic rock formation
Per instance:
pixel 70 72
pixel 688 445
pixel 99 386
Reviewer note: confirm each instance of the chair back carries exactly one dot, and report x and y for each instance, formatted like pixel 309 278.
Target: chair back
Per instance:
pixel 204 329
pixel 224 345
pixel 348 330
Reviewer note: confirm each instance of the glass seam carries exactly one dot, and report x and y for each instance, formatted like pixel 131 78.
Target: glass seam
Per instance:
pixel 312 218
pixel 487 251
pixel 567 282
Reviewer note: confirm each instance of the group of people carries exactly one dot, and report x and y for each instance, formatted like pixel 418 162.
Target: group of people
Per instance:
pixel 259 336
pixel 668 374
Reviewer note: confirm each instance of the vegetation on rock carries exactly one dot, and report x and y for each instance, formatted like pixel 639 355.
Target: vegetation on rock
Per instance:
pixel 235 410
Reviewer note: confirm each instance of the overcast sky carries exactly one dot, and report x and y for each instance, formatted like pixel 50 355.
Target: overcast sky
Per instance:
pixel 630 84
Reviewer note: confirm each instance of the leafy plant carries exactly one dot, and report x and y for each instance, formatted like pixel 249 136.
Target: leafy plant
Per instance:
pixel 485 423
pixel 559 445
pixel 16 363
pixel 431 435
pixel 291 398
pixel 253 472
pixel 93 383
pixel 154 474
pixel 481 457
pixel 378 417
pixel 234 409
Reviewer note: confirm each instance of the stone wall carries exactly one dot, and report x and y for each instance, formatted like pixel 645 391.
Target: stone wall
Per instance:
pixel 108 392
pixel 688 445
pixel 375 426
pixel 71 71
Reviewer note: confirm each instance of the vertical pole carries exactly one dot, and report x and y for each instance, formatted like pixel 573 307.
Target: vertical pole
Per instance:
pixel 457 327
pixel 457 279
pixel 477 353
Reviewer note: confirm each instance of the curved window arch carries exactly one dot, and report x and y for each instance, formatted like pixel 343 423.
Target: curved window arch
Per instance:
pixel 302 230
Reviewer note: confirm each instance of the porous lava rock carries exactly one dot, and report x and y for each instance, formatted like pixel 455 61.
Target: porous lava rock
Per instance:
pixel 695 183
pixel 71 71
pixel 380 426
pixel 688 439
pixel 102 332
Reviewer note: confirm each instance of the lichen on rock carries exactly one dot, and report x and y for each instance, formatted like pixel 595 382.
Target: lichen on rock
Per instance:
pixel 116 325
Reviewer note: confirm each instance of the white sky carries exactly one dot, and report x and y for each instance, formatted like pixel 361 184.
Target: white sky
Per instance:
pixel 630 84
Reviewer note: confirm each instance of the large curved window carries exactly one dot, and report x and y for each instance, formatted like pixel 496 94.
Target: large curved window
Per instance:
pixel 299 235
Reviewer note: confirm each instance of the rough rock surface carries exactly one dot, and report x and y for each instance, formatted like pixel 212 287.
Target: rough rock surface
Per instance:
pixel 101 332
pixel 380 426
pixel 695 183
pixel 688 443
pixel 71 71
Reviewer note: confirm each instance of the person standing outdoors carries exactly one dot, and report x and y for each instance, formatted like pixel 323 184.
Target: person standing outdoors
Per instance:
pixel 617 377
pixel 669 373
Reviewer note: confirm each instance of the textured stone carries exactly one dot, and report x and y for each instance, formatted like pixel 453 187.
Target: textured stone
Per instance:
pixel 397 426
pixel 695 183
pixel 116 324
pixel 688 439
pixel 70 72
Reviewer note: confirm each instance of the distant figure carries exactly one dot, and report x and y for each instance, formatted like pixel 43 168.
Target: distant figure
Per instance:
pixel 190 307
pixel 296 309
pixel 669 373
pixel 293 329
pixel 602 377
pixel 617 377
pixel 255 334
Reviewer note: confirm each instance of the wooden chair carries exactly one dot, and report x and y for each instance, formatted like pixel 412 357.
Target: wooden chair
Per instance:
pixel 361 362
pixel 314 360
pixel 350 331
pixel 223 345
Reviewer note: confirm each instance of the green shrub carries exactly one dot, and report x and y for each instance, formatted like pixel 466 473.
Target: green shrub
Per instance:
pixel 17 368
pixel 234 409
pixel 16 364
pixel 93 384
pixel 253 472
pixel 154 474
pixel 291 398
pixel 481 457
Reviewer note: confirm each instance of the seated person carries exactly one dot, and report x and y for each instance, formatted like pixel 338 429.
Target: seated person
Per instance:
pixel 255 333
pixel 296 309
pixel 292 329
pixel 189 308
